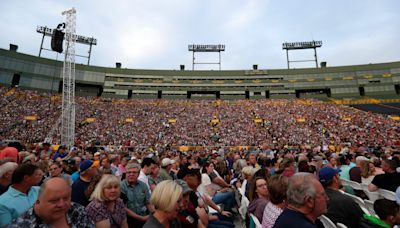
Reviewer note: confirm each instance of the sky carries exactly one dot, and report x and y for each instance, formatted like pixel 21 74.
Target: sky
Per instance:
pixel 155 34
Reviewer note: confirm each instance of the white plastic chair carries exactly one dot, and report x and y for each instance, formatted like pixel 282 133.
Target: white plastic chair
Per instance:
pixel 255 220
pixel 327 222
pixel 371 195
pixel 387 194
pixel 359 201
pixel 345 182
pixel 340 225
pixel 370 207
pixel 355 185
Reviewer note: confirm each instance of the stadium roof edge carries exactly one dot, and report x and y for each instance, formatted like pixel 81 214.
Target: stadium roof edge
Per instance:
pixel 336 69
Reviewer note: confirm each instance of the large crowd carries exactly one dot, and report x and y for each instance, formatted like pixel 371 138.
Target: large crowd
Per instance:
pixel 268 163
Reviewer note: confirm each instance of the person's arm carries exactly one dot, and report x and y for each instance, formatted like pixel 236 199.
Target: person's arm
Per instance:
pixel 216 207
pixel 103 224
pixel 136 216
pixel 203 216
pixel 372 188
pixel 124 224
pixel 219 181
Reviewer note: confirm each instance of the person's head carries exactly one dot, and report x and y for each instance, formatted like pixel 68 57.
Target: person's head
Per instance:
pixel 191 176
pixel 306 194
pixel 389 166
pixel 258 189
pixel 55 169
pixel 132 173
pixel 6 171
pixel 27 174
pixel 248 172
pixel 388 211
pixel 166 163
pixel 88 168
pixel 277 188
pixel 105 163
pixel 147 164
pixel 185 193
pixel 360 160
pixel 78 161
pixel 367 169
pixel 332 161
pixel 208 168
pixel 155 169
pixel 252 160
pixel 329 177
pixel 54 200
pixel 167 197
pixel 108 189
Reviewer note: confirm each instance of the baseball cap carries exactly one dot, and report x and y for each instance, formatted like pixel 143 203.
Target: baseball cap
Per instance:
pixel 166 162
pixel 326 174
pixel 85 165
pixel 184 185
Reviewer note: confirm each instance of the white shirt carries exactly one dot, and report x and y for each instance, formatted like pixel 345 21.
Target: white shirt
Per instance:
pixel 145 179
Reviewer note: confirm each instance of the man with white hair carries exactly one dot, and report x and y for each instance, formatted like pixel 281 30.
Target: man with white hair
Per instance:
pixel 306 202
pixel 6 170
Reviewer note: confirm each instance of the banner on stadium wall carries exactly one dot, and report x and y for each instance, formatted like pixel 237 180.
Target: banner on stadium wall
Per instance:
pixel 30 118
pixel 346 118
pixel 90 120
pixel 396 118
pixel 301 120
pixel 258 120
pixel 172 121
pixel 215 121
pixel 129 120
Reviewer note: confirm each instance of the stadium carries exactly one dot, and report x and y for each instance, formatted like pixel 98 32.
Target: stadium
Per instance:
pixel 92 146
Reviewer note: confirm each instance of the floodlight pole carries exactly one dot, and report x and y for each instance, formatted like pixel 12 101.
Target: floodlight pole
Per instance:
pixel 206 48
pixel 68 98
pixel 302 45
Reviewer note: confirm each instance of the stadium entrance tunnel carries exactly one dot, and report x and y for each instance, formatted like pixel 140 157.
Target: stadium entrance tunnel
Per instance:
pixel 302 93
pixel 204 94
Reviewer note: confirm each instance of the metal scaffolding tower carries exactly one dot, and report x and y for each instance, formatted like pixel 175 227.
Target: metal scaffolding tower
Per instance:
pixel 68 98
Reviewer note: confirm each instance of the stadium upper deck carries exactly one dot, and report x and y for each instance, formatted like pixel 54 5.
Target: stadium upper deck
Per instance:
pixel 33 72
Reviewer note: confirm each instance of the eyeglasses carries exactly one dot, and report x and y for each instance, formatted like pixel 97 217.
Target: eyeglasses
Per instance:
pixel 132 172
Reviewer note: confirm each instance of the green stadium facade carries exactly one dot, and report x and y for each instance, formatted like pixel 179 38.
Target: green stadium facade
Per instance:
pixel 371 80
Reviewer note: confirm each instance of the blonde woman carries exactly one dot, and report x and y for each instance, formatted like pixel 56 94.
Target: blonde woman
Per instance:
pixel 106 209
pixel 167 200
pixel 367 172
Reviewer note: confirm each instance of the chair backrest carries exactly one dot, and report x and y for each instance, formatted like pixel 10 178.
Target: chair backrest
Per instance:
pixel 255 220
pixel 327 222
pixel 345 182
pixel 387 194
pixel 370 206
pixel 340 225
pixel 359 201
pixel 371 195
pixel 355 185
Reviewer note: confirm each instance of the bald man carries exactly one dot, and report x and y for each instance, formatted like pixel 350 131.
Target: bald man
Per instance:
pixel 54 208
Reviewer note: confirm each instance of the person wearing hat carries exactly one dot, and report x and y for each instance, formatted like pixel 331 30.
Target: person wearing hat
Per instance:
pixel 87 170
pixel 200 201
pixel 165 171
pixel 8 152
pixel 341 208
pixel 187 214
pixel 61 153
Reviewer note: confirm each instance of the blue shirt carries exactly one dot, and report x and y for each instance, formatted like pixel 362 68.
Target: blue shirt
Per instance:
pixel 13 203
pixel 138 196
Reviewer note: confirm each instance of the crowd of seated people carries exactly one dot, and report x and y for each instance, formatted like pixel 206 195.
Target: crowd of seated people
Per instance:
pixel 103 188
pixel 122 174
pixel 147 123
